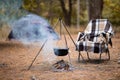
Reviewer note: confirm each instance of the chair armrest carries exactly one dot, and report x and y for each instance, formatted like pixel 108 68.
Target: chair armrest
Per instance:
pixel 80 36
pixel 106 37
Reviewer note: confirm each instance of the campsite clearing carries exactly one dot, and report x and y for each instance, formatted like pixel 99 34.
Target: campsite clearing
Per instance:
pixel 15 58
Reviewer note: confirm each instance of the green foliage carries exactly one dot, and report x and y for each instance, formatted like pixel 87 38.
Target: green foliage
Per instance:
pixel 51 9
pixel 10 10
pixel 112 11
pixel 46 8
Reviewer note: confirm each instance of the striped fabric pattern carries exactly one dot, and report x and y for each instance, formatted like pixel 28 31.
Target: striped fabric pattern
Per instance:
pixel 99 26
pixel 90 46
pixel 95 36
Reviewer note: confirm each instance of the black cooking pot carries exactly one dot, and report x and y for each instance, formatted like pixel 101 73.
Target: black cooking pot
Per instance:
pixel 61 51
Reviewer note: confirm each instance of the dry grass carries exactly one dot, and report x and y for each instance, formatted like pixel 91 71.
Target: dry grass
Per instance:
pixel 4 31
pixel 117 29
pixel 72 29
pixel 16 57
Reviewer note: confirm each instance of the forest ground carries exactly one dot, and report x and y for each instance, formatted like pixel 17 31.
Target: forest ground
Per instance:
pixel 15 58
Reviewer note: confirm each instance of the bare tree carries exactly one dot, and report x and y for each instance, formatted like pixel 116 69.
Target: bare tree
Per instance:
pixel 66 12
pixel 78 13
pixel 95 8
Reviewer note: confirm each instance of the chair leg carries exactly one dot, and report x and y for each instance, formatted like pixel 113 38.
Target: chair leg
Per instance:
pixel 81 57
pixel 100 55
pixel 88 56
pixel 108 54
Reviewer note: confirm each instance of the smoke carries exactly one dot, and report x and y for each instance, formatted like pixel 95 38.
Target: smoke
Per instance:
pixel 48 53
pixel 10 10
pixel 28 28
pixel 32 28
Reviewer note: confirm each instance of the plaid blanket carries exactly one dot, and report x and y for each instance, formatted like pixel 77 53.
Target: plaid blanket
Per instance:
pixel 98 26
pixel 91 47
pixel 96 36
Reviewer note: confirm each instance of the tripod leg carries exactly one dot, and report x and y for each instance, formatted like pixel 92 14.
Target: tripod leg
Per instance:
pixel 69 58
pixel 37 55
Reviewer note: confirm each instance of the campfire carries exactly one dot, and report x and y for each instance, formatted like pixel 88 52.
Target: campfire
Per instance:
pixel 61 65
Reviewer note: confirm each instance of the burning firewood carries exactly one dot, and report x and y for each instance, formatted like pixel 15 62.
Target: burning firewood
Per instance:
pixel 61 65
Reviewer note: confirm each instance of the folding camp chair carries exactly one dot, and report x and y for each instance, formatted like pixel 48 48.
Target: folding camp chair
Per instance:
pixel 95 38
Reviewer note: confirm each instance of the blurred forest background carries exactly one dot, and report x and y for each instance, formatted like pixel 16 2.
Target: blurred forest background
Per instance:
pixel 75 13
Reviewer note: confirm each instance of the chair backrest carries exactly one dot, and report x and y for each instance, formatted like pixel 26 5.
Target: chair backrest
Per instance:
pixel 97 27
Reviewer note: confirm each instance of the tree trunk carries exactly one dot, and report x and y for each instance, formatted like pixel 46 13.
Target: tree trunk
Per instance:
pixel 95 8
pixel 66 13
